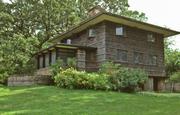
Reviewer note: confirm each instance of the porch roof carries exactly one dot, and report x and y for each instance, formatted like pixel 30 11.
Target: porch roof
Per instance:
pixel 65 46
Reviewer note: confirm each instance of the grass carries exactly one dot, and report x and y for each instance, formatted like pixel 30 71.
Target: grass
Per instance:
pixel 50 100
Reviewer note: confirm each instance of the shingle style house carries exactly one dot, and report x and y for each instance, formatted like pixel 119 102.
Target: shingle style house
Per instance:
pixel 105 36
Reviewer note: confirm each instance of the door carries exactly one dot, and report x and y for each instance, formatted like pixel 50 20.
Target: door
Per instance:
pixel 155 84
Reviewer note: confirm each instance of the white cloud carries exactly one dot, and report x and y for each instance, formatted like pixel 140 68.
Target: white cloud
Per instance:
pixel 161 12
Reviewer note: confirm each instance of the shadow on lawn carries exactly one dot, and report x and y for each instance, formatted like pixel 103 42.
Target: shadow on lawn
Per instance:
pixel 43 99
pixel 52 100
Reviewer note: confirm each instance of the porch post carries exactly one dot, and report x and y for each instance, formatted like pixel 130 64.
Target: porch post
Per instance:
pixel 38 62
pixel 81 59
pixel 149 84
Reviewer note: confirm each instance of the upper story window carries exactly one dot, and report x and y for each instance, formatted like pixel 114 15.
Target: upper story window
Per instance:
pixel 68 41
pixel 152 59
pixel 151 38
pixel 119 31
pixel 122 55
pixel 138 58
pixel 91 33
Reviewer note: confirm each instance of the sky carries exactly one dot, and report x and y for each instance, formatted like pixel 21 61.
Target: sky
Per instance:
pixel 164 13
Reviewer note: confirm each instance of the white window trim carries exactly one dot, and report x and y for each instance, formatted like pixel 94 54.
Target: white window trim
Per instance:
pixel 91 32
pixel 151 38
pixel 120 31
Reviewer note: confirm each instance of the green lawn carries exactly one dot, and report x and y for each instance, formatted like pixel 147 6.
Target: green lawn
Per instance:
pixel 50 100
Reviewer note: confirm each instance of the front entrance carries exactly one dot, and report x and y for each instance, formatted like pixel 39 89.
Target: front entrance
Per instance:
pixel 158 83
pixel 155 84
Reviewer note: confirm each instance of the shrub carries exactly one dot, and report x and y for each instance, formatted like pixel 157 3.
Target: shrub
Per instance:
pixel 109 68
pixel 130 79
pixel 110 77
pixel 3 77
pixel 72 79
pixel 121 78
pixel 57 67
pixel 175 77
pixel 71 62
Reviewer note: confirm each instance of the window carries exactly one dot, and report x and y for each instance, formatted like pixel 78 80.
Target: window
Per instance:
pixel 138 58
pixel 41 62
pixel 92 33
pixel 46 60
pixel 53 57
pixel 68 41
pixel 152 60
pixel 151 38
pixel 122 55
pixel 119 31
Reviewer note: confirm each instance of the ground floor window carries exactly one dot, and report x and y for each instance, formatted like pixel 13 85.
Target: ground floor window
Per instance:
pixel 152 60
pixel 46 60
pixel 53 57
pixel 122 55
pixel 138 58
pixel 41 62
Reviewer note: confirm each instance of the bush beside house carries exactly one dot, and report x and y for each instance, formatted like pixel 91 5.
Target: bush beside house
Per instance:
pixel 174 82
pixel 110 77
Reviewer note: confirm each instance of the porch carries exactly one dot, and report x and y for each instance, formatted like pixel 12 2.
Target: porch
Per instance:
pixel 85 57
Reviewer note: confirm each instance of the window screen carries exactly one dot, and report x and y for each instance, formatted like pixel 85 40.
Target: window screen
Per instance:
pixel 152 59
pixel 138 58
pixel 121 55
pixel 119 31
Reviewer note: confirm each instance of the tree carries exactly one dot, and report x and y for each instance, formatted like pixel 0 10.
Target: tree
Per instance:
pixel 46 19
pixel 172 58
pixel 27 25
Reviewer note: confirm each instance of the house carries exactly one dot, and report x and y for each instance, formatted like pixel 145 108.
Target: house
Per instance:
pixel 105 36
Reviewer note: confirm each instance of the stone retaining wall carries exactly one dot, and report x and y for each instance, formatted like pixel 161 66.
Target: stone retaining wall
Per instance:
pixel 29 80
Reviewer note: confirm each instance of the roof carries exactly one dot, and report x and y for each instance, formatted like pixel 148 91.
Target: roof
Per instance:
pixel 66 46
pixel 106 16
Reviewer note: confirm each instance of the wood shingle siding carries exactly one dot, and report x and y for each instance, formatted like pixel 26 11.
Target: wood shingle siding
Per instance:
pixel 135 41
pixel 98 41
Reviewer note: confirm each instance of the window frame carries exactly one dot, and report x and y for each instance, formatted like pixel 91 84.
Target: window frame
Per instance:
pixel 47 60
pixel 53 57
pixel 90 31
pixel 140 57
pixel 120 55
pixel 151 60
pixel 69 41
pixel 151 37
pixel 41 61
pixel 120 32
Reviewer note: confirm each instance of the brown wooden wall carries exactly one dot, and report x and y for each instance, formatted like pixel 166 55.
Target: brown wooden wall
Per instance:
pixel 63 54
pixel 107 44
pixel 98 41
pixel 135 41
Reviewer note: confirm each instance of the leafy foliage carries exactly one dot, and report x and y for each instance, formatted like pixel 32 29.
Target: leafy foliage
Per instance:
pixel 122 78
pixel 71 62
pixel 72 79
pixel 172 58
pixel 27 25
pixel 110 77
pixel 57 67
pixel 130 79
pixel 15 53
pixel 175 77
